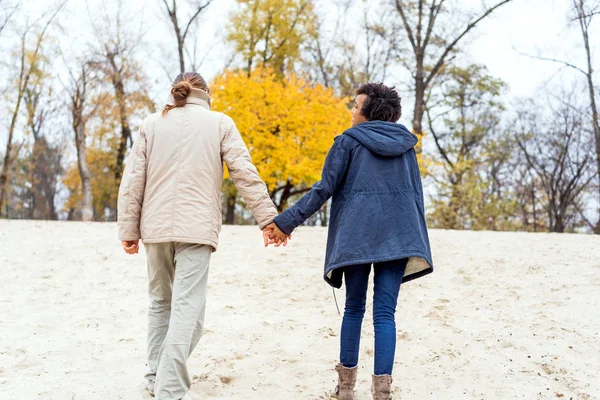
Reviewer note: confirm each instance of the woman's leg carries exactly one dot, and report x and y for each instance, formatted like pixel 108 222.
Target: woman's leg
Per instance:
pixel 357 279
pixel 388 277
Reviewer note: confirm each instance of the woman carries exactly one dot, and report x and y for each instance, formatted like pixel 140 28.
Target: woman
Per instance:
pixel 170 198
pixel 377 218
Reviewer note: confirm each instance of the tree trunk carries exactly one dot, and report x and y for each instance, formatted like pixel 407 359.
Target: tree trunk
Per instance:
pixel 87 209
pixel 181 59
pixel 230 210
pixel 125 131
pixel 7 159
pixel 288 191
pixel 4 174
pixel 584 22
pixel 596 126
pixel 419 105
pixel 533 203
pixel 559 225
pixel 419 108
pixel 324 216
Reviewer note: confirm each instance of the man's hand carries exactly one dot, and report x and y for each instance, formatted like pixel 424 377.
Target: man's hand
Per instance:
pixel 275 235
pixel 131 246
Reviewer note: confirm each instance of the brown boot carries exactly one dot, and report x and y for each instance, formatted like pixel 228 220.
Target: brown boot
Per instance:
pixel 381 387
pixel 346 381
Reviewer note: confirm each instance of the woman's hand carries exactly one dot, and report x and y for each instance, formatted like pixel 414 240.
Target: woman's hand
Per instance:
pixel 131 246
pixel 273 235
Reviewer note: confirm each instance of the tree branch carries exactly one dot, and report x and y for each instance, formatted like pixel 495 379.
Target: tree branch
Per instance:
pixel 409 31
pixel 433 13
pixel 200 9
pixel 8 17
pixel 436 138
pixel 292 27
pixel 556 61
pixel 451 46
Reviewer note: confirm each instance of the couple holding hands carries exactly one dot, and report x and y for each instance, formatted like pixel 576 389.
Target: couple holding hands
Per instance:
pixel 170 198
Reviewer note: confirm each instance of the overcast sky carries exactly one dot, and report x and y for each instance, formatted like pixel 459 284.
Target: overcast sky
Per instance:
pixel 536 27
pixel 528 26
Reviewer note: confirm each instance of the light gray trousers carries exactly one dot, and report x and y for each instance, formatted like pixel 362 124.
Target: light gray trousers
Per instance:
pixel 178 276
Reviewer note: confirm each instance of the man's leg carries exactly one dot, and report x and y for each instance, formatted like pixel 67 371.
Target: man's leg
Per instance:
pixel 187 309
pixel 161 268
pixel 199 329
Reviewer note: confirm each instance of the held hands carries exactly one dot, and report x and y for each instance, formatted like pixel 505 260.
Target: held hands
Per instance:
pixel 273 235
pixel 131 246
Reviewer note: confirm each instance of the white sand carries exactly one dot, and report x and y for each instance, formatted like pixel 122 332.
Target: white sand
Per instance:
pixel 504 316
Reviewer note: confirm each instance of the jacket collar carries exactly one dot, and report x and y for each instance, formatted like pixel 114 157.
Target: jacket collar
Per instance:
pixel 199 97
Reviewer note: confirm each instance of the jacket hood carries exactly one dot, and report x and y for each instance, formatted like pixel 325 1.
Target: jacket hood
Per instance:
pixel 386 139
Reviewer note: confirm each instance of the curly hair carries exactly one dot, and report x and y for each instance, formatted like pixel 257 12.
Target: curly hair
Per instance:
pixel 382 104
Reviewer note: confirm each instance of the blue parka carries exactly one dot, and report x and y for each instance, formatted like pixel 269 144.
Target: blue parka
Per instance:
pixel 377 213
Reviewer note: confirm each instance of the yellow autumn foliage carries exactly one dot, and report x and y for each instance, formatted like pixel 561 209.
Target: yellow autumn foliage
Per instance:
pixel 271 32
pixel 101 162
pixel 104 131
pixel 288 124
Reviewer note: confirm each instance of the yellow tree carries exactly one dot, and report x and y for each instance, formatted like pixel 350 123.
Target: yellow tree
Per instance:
pixel 271 32
pixel 103 126
pixel 116 43
pixel 104 191
pixel 288 124
pixel 120 99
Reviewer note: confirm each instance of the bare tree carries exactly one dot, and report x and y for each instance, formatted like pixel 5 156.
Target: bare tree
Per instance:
pixel 45 157
pixel 116 43
pixel 27 64
pixel 584 13
pixel 321 49
pixel 471 173
pixel 432 40
pixel 81 112
pixel 357 51
pixel 557 153
pixel 181 28
pixel 7 11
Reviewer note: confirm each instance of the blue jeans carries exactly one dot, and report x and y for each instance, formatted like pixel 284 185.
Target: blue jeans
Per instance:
pixel 387 280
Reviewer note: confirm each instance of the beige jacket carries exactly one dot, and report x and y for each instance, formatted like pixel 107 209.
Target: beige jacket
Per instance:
pixel 171 187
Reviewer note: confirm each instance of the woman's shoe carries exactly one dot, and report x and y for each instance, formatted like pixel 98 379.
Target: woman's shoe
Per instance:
pixel 381 387
pixel 346 381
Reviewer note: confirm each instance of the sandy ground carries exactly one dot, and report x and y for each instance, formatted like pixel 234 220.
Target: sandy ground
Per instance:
pixel 504 316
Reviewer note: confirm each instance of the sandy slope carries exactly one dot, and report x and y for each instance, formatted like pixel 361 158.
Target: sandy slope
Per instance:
pixel 504 316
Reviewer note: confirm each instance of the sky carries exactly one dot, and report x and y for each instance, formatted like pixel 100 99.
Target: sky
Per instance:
pixel 534 27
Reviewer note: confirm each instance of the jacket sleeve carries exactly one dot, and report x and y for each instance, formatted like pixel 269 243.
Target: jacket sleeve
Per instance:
pixel 334 170
pixel 244 174
pixel 131 190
